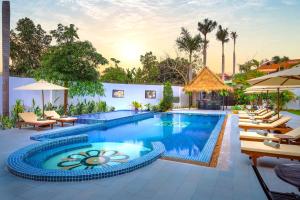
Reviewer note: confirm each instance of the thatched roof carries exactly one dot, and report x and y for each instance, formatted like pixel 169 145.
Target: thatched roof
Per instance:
pixel 206 81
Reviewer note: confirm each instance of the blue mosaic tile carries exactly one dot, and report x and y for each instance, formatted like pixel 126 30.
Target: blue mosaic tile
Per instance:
pixel 17 165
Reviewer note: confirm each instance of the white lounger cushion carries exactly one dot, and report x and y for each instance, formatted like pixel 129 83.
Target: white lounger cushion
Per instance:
pixel 253 135
pixel 274 124
pixel 260 147
pixel 295 133
pixel 263 115
pixel 271 119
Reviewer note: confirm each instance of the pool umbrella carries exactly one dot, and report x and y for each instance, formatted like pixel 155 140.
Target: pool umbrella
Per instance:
pixel 289 78
pixel 41 85
pixel 259 90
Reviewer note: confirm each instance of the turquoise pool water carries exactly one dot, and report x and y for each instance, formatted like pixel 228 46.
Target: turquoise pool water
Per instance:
pixel 185 136
pixel 97 155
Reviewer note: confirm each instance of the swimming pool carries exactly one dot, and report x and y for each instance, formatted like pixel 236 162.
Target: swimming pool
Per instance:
pixel 185 136
pixel 102 150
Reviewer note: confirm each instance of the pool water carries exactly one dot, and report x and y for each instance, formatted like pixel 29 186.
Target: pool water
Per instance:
pixel 110 115
pixel 181 134
pixel 97 155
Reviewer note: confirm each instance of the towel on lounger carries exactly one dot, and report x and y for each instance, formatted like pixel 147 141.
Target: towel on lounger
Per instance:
pixel 262 132
pixel 271 144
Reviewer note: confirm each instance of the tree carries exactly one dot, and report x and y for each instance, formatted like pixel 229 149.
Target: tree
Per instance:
pixel 150 67
pixel 65 34
pixel 249 65
pixel 70 61
pixel 173 70
pixel 114 75
pixel 28 43
pixel 5 57
pixel 234 36
pixel 223 37
pixel 167 101
pixel 186 42
pixel 206 27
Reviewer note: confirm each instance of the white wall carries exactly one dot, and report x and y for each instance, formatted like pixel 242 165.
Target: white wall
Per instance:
pixel 26 96
pixel 132 92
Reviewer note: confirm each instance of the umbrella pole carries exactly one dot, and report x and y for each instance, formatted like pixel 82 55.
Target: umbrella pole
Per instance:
pixel 267 99
pixel 43 103
pixel 278 102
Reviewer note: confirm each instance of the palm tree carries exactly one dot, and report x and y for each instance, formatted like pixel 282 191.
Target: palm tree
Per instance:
pixel 5 56
pixel 223 36
pixel 206 27
pixel 234 35
pixel 186 42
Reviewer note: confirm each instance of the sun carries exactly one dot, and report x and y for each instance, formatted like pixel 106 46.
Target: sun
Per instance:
pixel 130 51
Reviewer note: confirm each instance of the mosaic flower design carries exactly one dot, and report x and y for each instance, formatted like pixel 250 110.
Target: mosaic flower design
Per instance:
pixel 92 158
pixel 172 123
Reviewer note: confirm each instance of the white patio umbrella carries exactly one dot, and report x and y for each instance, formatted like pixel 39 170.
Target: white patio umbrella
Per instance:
pixel 285 79
pixel 266 90
pixel 289 78
pixel 41 85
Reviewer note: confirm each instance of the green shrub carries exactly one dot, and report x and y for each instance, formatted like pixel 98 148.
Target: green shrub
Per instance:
pixel 148 106
pixel 6 122
pixel 167 102
pixel 236 107
pixel 136 105
pixel 112 109
pixel 155 108
pixel 101 106
pixel 17 108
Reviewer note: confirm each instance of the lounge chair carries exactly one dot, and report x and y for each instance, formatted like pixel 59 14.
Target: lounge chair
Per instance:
pixel 268 120
pixel 258 149
pixel 55 116
pixel 29 118
pixel 278 125
pixel 256 112
pixel 265 115
pixel 254 136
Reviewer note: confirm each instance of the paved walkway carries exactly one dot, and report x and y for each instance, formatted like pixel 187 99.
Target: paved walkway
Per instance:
pixel 232 179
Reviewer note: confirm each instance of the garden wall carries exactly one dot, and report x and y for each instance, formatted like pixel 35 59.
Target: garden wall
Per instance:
pixel 132 92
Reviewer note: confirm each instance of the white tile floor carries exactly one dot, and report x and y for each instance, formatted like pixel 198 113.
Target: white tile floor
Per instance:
pixel 232 179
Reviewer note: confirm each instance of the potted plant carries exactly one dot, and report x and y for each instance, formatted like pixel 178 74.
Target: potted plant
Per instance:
pixel 235 109
pixel 136 105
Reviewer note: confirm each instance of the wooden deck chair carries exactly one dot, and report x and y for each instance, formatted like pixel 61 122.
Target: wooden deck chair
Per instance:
pixel 30 118
pixel 268 120
pixel 256 150
pixel 278 125
pixel 55 116
pixel 254 136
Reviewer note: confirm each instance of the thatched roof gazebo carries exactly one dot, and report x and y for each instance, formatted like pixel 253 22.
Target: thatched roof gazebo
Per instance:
pixel 206 82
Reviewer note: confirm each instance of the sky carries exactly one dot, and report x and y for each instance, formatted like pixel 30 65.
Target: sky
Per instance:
pixel 126 29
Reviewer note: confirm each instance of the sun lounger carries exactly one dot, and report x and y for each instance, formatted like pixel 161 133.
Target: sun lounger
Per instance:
pixel 55 116
pixel 30 118
pixel 278 125
pixel 268 120
pixel 256 112
pixel 292 135
pixel 265 115
pixel 256 150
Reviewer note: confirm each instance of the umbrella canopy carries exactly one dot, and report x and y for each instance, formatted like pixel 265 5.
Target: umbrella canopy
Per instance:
pixel 206 81
pixel 258 90
pixel 41 85
pixel 289 78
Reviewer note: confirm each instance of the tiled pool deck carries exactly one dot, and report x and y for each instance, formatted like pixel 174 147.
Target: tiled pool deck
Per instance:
pixel 232 179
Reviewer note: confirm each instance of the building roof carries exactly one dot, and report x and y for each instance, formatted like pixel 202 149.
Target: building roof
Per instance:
pixel 270 67
pixel 206 81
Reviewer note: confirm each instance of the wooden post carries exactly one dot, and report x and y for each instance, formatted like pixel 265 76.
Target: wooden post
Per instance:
pixel 5 56
pixel 43 106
